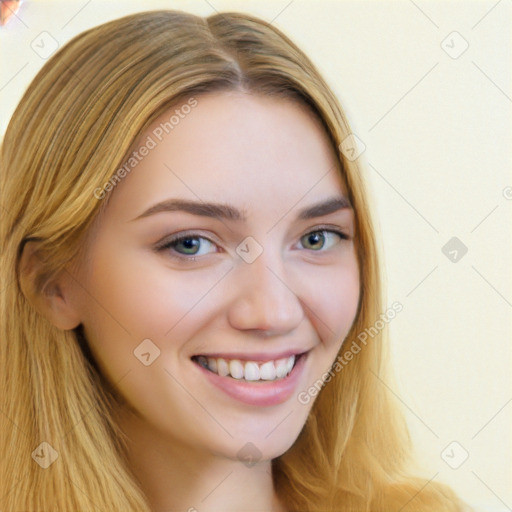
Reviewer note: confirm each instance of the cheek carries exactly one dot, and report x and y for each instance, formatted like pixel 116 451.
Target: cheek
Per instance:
pixel 142 295
pixel 332 299
pixel 131 301
pixel 138 298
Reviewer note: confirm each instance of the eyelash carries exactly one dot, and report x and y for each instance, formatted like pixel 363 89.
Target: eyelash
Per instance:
pixel 169 243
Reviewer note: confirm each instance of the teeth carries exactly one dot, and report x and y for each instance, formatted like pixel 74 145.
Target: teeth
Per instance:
pixel 236 369
pixel 281 365
pixel 251 371
pixel 268 371
pixel 212 364
pixel 222 368
pixel 203 361
pixel 289 364
pixel 248 370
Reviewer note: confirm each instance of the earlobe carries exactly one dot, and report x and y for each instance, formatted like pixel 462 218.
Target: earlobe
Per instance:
pixel 51 298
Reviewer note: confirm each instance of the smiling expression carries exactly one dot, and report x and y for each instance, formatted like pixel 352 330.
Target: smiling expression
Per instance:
pixel 230 250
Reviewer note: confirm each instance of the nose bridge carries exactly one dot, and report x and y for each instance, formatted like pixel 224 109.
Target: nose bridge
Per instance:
pixel 266 300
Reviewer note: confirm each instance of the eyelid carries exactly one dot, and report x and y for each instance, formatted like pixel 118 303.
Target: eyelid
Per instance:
pixel 330 227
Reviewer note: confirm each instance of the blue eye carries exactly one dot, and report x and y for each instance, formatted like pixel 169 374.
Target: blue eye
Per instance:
pixel 190 245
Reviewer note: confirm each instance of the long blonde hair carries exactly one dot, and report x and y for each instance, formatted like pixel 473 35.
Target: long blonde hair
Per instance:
pixel 71 131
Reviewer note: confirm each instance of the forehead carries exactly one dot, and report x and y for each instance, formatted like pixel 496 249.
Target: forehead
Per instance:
pixel 248 150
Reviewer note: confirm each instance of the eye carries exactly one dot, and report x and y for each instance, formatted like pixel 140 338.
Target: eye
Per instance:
pixel 185 246
pixel 320 237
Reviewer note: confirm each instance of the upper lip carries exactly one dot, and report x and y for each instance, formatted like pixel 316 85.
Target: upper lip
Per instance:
pixel 255 356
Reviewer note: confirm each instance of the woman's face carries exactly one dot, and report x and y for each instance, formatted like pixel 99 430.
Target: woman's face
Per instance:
pixel 260 281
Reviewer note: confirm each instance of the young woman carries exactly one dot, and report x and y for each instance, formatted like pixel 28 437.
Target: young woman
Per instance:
pixel 188 261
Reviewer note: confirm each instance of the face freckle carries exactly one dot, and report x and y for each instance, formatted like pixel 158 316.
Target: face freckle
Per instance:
pixel 265 285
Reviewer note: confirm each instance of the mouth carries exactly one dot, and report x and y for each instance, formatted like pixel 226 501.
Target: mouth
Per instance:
pixel 254 380
pixel 249 370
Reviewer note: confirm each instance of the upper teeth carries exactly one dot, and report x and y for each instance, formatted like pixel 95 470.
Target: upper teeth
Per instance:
pixel 250 370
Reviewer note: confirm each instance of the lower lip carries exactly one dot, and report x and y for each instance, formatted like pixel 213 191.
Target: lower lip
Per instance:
pixel 259 393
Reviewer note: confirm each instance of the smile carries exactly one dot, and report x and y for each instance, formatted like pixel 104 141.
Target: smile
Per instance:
pixel 248 370
pixel 257 383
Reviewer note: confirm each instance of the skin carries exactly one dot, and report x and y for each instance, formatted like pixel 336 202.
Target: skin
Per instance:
pixel 272 158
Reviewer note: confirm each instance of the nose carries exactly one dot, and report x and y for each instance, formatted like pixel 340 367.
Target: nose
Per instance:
pixel 265 301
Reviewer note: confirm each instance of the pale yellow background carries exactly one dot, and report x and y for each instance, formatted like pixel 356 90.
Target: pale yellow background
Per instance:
pixel 437 135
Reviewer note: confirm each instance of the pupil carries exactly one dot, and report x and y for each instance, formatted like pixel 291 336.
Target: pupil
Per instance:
pixel 314 238
pixel 189 243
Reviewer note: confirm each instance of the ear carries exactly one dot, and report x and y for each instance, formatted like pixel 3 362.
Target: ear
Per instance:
pixel 51 298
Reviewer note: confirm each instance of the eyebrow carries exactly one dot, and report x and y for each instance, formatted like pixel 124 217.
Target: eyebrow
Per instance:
pixel 227 212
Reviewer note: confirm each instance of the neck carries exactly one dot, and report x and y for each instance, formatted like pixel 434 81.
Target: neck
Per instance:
pixel 181 478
